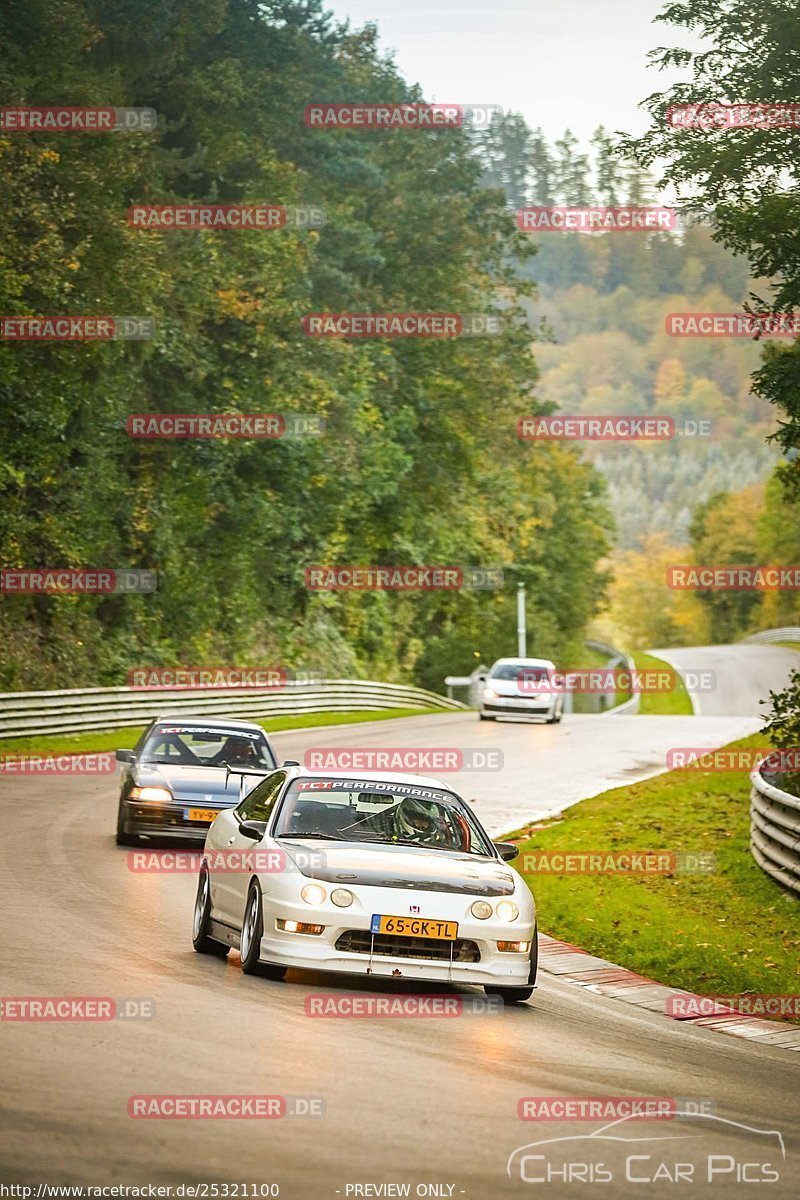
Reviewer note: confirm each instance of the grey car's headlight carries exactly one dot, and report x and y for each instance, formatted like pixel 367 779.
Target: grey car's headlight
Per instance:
pixel 157 795
pixel 481 909
pixel 507 910
pixel 312 893
pixel 341 897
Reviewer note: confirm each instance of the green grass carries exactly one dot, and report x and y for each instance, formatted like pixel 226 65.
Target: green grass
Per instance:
pixel 662 704
pixel 729 932
pixel 788 645
pixel 117 739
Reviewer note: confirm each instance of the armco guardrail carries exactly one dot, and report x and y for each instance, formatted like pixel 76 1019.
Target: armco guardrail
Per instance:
pixel 618 656
pixel 76 709
pixel 775 831
pixel 789 633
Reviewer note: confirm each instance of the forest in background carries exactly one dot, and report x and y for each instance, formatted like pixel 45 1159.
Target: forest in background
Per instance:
pixel 602 299
pixel 420 463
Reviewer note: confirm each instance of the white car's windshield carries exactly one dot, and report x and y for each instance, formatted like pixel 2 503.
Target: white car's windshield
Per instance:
pixel 381 813
pixel 518 671
pixel 195 745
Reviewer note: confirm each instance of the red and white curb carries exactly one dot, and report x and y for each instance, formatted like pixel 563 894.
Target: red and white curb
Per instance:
pixel 574 965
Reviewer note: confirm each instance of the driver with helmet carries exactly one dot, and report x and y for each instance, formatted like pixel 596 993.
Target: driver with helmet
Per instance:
pixel 421 821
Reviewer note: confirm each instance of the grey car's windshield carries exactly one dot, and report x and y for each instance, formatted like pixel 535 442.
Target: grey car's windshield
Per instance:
pixel 197 745
pixel 381 813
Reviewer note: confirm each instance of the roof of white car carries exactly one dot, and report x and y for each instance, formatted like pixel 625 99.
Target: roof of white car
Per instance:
pixel 403 777
pixel 525 662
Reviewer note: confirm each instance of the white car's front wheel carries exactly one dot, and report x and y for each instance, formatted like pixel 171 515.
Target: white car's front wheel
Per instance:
pixel 252 932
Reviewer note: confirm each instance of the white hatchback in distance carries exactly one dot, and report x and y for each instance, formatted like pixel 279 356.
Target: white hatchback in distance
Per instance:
pixel 367 875
pixel 510 690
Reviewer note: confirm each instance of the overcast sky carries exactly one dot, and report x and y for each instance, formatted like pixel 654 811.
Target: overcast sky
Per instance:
pixel 576 63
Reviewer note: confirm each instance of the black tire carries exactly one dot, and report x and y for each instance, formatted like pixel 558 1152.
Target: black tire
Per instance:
pixel 483 717
pixel 202 943
pixel 273 971
pixel 517 995
pixel 123 838
pixel 252 930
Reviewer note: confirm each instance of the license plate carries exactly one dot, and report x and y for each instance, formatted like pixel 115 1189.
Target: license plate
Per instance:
pixel 199 814
pixel 415 927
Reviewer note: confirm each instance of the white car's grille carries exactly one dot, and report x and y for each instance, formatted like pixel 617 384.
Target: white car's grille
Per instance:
pixel 361 941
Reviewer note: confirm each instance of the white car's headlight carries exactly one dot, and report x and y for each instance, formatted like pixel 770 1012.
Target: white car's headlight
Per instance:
pixel 489 692
pixel 507 910
pixel 157 794
pixel 481 909
pixel 312 893
pixel 342 897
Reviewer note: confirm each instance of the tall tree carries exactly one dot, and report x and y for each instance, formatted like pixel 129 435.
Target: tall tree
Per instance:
pixel 749 177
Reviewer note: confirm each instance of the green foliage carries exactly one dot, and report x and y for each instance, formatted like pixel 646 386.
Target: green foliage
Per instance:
pixel 726 932
pixel 420 463
pixel 747 177
pixel 783 728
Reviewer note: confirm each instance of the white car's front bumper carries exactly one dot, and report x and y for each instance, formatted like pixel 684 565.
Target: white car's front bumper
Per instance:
pixel 530 706
pixel 475 938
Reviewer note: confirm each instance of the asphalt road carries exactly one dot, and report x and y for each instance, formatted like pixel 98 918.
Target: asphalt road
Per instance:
pixel 743 675
pixel 406 1101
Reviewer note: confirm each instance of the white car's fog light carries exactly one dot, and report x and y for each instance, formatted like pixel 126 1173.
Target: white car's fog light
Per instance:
pixel 299 927
pixel 481 909
pixel 507 910
pixel 157 795
pixel 514 947
pixel 341 897
pixel 312 893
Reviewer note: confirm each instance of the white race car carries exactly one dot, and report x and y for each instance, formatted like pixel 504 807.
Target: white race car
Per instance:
pixel 365 875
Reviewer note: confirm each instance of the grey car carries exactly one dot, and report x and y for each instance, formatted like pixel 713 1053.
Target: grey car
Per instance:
pixel 183 771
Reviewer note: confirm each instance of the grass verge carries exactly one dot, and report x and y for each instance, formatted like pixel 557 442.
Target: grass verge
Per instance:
pixel 662 704
pixel 729 932
pixel 115 739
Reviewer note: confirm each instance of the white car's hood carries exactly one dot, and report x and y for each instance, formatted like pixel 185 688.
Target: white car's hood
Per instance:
pixel 411 867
